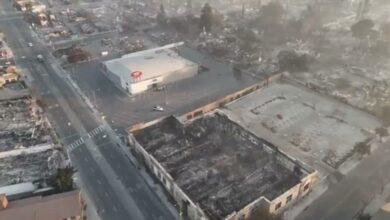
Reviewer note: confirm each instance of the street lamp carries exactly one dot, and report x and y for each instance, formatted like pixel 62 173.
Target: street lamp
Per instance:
pixel 166 94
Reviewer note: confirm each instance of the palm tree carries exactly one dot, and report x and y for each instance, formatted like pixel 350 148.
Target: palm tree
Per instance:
pixel 63 179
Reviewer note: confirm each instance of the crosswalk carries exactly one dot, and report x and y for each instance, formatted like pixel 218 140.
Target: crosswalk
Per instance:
pixel 82 139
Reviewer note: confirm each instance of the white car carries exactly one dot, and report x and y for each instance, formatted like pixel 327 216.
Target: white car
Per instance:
pixel 40 58
pixel 158 108
pixel 30 44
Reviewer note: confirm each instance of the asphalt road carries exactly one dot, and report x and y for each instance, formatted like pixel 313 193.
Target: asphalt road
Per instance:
pixel 112 182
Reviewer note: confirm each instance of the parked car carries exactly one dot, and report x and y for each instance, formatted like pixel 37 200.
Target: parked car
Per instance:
pixel 158 108
pixel 40 58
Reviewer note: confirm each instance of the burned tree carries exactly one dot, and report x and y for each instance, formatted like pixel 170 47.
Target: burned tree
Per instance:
pixel 363 29
pixel 77 54
pixel 385 28
pixel 271 14
pixel 382 131
pixel 206 18
pixel 293 62
pixel 161 16
pixel 363 147
pixel 180 24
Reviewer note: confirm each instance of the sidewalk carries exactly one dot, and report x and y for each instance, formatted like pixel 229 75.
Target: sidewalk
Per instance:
pixel 90 212
pixel 156 187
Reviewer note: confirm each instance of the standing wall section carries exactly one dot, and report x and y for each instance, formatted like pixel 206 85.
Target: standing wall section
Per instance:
pixel 193 211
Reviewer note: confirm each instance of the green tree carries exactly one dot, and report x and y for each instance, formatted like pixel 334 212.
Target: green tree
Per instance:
pixel 63 179
pixel 206 18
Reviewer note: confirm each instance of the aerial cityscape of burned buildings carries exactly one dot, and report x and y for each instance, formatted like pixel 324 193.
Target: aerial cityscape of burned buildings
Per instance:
pixel 195 109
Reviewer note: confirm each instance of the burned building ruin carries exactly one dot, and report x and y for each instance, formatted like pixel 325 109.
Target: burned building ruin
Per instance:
pixel 215 169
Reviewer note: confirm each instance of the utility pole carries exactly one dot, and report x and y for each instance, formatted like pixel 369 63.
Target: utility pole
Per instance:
pixel 243 9
pixel 259 5
pixel 166 94
pixel 189 6
pixel 362 9
pixel 94 98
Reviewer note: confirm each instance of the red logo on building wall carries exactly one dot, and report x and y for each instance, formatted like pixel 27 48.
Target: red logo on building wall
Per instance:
pixel 136 75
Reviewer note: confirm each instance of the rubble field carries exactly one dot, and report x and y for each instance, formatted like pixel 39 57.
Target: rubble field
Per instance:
pixel 350 69
pixel 22 124
pixel 29 167
pixel 356 86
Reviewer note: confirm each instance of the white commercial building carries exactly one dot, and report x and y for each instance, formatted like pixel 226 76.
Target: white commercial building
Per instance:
pixel 143 70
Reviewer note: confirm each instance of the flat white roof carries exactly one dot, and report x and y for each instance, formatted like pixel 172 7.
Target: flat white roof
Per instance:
pixel 152 63
pixel 17 189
